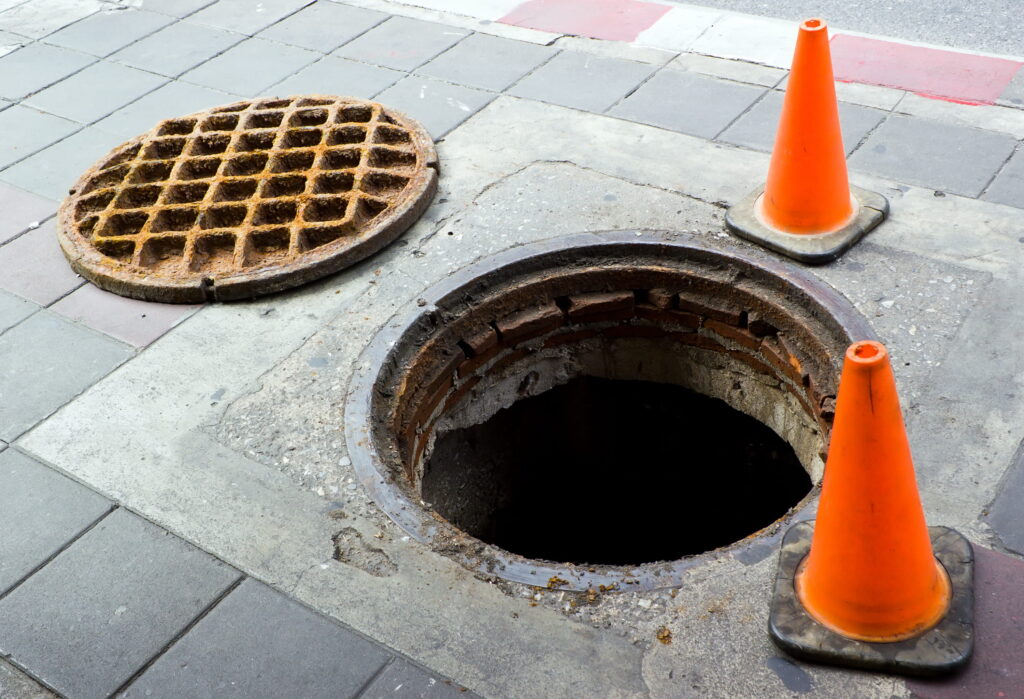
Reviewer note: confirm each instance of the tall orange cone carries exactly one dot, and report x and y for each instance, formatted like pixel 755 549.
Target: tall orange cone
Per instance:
pixel 807 189
pixel 871 575
pixel 807 209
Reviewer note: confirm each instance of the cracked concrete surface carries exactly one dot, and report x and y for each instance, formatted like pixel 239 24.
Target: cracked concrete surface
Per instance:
pixel 246 458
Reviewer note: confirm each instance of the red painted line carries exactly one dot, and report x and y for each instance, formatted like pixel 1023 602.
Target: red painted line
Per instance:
pixel 947 75
pixel 614 20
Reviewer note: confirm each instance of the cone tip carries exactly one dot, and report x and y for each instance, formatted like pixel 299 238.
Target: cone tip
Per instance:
pixel 867 353
pixel 814 24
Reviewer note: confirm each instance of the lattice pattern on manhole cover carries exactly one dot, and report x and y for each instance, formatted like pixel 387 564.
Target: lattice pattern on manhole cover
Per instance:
pixel 248 198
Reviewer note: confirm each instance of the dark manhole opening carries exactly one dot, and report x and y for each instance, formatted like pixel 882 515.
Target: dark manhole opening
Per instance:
pixel 615 472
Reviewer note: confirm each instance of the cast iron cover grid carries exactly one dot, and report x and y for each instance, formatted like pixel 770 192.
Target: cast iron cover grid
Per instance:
pixel 248 198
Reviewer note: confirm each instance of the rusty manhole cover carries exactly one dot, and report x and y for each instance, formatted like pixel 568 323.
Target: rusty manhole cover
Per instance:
pixel 248 198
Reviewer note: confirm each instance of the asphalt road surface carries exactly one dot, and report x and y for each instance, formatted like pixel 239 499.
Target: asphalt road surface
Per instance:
pixel 992 26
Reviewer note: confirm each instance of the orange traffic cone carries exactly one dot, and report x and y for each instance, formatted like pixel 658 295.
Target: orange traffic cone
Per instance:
pixel 871 575
pixel 807 209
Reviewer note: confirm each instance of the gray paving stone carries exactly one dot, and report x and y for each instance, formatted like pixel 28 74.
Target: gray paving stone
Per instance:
pixel 41 17
pixel 40 511
pixel 1008 186
pixel 138 323
pixel 485 61
pixel 174 8
pixel 11 42
pixel 402 43
pixel 952 158
pixel 23 131
pixel 21 210
pixel 324 26
pixel 105 32
pixel 689 103
pixel 174 49
pixel 338 76
pixel 439 106
pixel 403 680
pixel 250 67
pixel 13 310
pixel 171 100
pixel 96 613
pixel 95 92
pixel 756 129
pixel 257 642
pixel 15 684
pixel 33 267
pixel 579 80
pixel 51 171
pixel 46 361
pixel 1006 516
pixel 246 16
pixel 37 66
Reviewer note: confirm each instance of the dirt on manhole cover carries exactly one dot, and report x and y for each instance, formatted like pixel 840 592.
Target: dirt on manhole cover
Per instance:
pixel 248 198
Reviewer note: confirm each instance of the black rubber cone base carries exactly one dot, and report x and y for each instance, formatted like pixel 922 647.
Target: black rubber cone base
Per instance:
pixel 814 249
pixel 940 650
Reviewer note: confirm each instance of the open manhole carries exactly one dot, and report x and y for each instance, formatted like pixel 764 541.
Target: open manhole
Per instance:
pixel 601 410
pixel 248 198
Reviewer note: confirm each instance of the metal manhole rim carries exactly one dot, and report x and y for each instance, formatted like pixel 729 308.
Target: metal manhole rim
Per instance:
pixel 416 519
pixel 133 281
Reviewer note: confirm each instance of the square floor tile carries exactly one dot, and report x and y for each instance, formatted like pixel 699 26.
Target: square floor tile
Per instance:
pixel 21 210
pixel 45 361
pixel 1005 515
pixel 1008 187
pixel 13 310
pixel 324 26
pixel 95 92
pixel 95 614
pixel 40 511
pixel 105 32
pixel 689 103
pixel 246 16
pixel 579 80
pixel 175 49
pixel 23 131
pixel 38 18
pixel 337 76
pixel 172 100
pixel 250 67
pixel 439 106
pixel 402 43
pixel 257 642
pixel 52 171
pixel 756 129
pixel 136 322
pixel 33 266
pixel 37 66
pixel 931 154
pixel 11 42
pixel 488 62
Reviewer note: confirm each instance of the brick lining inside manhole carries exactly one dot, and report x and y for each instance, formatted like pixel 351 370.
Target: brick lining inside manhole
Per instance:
pixel 248 198
pixel 516 341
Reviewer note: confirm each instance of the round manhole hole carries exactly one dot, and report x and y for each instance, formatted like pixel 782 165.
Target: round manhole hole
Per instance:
pixel 248 198
pixel 601 411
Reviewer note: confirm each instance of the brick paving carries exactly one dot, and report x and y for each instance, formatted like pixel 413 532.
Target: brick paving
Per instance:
pixel 84 77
